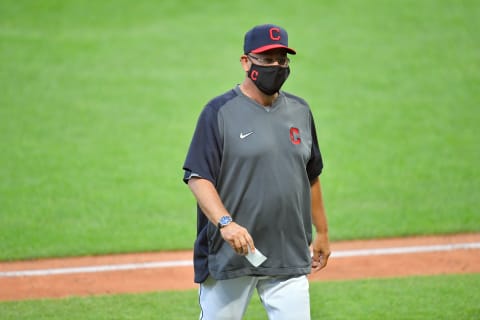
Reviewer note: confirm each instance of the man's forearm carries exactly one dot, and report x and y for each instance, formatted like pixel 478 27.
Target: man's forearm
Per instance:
pixel 208 199
pixel 320 245
pixel 319 217
pixel 212 206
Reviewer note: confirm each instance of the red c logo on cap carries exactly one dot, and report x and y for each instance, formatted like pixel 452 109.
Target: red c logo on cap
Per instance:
pixel 254 75
pixel 276 35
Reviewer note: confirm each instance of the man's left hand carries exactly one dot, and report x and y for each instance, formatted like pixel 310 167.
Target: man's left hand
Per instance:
pixel 321 252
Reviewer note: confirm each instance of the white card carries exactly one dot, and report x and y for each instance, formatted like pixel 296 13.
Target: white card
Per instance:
pixel 256 258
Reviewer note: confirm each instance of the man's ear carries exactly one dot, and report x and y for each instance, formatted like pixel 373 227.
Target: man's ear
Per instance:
pixel 245 62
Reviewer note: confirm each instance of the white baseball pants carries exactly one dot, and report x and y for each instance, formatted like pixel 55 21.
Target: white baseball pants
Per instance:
pixel 284 298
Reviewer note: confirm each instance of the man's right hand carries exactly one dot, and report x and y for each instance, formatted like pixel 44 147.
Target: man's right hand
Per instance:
pixel 238 238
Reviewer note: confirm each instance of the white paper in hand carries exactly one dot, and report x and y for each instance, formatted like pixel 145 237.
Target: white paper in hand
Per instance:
pixel 256 258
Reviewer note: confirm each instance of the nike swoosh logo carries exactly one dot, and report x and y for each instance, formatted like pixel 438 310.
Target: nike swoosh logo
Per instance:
pixel 243 136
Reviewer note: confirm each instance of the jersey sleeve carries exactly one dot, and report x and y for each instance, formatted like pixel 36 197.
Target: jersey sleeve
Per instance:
pixel 204 155
pixel 315 164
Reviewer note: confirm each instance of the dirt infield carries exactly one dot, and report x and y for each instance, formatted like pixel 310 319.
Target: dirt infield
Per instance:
pixel 148 272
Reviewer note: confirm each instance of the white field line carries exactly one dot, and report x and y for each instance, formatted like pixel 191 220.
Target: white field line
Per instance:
pixel 405 250
pixel 187 263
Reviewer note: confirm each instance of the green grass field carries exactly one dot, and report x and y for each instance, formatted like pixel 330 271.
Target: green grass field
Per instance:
pixel 99 100
pixel 447 297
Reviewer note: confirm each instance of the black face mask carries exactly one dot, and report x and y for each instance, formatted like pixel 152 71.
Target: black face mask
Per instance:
pixel 268 79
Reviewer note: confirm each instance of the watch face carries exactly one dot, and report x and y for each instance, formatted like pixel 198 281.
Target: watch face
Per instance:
pixel 225 220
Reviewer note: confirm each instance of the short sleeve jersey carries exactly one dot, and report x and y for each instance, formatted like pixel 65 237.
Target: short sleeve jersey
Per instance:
pixel 261 162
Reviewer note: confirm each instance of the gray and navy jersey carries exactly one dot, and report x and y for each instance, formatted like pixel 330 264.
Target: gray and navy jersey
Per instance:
pixel 261 162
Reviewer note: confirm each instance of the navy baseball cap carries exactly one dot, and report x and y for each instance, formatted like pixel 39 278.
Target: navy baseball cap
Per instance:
pixel 266 37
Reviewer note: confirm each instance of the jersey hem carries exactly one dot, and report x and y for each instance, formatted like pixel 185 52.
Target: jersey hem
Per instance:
pixel 273 272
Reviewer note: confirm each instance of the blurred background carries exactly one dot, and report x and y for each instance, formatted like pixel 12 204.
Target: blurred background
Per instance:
pixel 99 100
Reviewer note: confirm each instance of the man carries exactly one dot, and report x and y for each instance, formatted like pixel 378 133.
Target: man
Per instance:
pixel 253 167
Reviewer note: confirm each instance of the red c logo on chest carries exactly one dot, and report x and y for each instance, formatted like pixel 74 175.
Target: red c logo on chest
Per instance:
pixel 295 135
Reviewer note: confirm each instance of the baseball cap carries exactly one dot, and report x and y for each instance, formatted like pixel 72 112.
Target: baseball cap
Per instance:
pixel 266 37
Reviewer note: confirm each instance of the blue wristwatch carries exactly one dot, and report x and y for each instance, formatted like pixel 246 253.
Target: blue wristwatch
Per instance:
pixel 224 221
